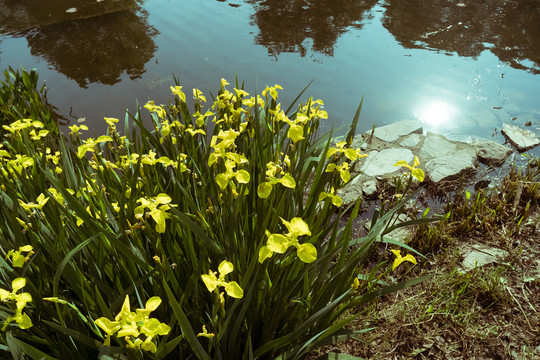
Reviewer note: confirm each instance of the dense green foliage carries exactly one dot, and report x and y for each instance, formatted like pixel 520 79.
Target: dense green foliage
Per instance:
pixel 223 223
pixel 21 97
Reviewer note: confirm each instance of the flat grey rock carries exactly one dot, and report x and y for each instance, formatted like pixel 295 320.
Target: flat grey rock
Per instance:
pixel 490 152
pixel 480 255
pixel 369 188
pixel 403 233
pixel 440 158
pixel 392 132
pixel 519 138
pixel 382 162
pixel 412 141
pixel 450 166
pixel 436 146
pixel 400 234
pixel 351 192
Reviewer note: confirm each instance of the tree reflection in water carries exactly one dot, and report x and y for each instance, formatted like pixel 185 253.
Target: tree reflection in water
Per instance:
pixel 286 25
pixel 91 45
pixel 97 49
pixel 509 29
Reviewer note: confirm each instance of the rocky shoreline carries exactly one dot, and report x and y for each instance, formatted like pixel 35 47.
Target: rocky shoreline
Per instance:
pixel 440 158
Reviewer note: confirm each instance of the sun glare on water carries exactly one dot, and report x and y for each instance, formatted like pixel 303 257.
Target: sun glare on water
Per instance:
pixel 436 114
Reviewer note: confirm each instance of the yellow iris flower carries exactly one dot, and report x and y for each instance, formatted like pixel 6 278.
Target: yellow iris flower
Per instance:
pixel 416 172
pixel 278 243
pixel 131 325
pixel 400 259
pixel 20 300
pixel 212 281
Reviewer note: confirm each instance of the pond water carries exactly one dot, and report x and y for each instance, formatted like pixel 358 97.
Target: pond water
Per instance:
pixel 461 67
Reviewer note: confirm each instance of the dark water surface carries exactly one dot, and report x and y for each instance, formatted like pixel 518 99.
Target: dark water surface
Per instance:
pixel 462 67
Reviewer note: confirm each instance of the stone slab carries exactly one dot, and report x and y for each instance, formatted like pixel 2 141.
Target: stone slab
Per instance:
pixel 440 158
pixel 480 255
pixel 412 141
pixel 400 234
pixel 392 132
pixel 519 138
pixel 351 192
pixel 382 162
pixel 436 146
pixel 369 188
pixel 450 166
pixel 490 152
